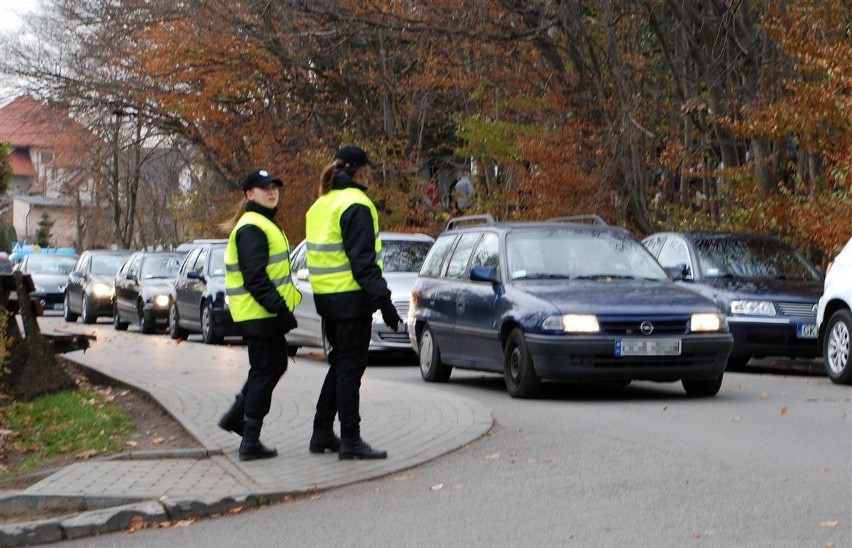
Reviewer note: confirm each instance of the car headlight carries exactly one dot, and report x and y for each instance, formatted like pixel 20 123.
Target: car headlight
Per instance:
pixel 753 308
pixel 161 301
pixel 705 322
pixel 573 323
pixel 102 290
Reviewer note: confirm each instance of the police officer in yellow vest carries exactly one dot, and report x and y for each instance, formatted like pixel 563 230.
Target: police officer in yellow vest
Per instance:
pixel 261 297
pixel 344 261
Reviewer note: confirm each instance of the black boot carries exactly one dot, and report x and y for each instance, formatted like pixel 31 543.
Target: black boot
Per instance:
pixel 250 447
pixel 324 439
pixel 357 449
pixel 232 420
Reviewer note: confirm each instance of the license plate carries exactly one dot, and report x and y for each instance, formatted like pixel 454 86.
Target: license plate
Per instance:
pixel 647 347
pixel 806 331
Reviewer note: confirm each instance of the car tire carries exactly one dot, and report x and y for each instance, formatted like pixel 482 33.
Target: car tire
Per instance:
pixel 67 315
pixel 432 369
pixel 116 320
pixel 702 388
pixel 145 323
pixel 175 330
pixel 836 347
pixel 519 373
pixel 88 315
pixel 207 334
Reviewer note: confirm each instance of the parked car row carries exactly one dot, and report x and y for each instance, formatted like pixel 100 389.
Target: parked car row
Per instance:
pixel 566 299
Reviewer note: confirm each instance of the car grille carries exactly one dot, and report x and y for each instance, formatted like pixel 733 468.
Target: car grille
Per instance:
pixel 391 337
pixel 668 325
pixel 402 309
pixel 797 309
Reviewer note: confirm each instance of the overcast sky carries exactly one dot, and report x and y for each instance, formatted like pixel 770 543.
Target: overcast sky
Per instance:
pixel 11 10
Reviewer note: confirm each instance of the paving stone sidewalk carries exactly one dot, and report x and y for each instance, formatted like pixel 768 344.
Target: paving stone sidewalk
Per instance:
pixel 195 383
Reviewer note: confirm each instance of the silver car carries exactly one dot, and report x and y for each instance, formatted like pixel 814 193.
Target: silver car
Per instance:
pixel 402 255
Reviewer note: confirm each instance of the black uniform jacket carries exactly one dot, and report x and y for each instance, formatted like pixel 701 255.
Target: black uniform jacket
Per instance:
pixel 359 242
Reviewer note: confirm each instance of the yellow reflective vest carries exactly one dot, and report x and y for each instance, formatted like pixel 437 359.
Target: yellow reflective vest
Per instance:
pixel 326 258
pixel 243 306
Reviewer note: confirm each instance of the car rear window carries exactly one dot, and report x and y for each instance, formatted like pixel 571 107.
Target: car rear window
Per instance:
pixel 404 255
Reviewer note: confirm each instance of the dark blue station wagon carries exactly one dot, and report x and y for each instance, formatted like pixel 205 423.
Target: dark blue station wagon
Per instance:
pixel 560 300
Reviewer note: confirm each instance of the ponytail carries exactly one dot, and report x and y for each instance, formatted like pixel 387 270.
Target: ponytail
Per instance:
pixel 328 175
pixel 227 226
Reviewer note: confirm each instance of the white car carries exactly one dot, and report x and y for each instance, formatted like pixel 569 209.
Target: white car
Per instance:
pixel 402 255
pixel 834 317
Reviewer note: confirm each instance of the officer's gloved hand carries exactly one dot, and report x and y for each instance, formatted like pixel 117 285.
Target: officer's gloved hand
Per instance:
pixel 287 321
pixel 391 316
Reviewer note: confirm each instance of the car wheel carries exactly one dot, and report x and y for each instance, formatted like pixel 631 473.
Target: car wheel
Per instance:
pixel 207 334
pixel 67 315
pixel 175 330
pixel 432 369
pixel 521 379
pixel 116 320
pixel 145 324
pixel 88 314
pixel 836 347
pixel 702 388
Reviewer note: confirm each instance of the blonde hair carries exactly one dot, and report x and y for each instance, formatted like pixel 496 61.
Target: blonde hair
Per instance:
pixel 228 226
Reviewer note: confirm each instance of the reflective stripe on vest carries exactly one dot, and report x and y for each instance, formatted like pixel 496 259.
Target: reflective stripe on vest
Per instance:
pixel 241 303
pixel 326 258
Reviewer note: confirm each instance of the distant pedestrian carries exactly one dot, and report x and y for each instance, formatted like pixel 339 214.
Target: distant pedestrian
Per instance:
pixel 344 261
pixel 432 197
pixel 463 191
pixel 261 298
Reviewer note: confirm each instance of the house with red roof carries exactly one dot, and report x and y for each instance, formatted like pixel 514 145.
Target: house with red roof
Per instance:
pixel 50 174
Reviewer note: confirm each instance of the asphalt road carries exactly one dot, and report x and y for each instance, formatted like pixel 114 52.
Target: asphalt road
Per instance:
pixel 768 462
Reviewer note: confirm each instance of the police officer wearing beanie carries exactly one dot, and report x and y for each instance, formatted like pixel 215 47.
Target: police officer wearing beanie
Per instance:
pixel 344 261
pixel 261 298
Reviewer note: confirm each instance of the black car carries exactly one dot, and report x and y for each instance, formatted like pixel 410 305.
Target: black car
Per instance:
pixel 560 300
pixel 49 272
pixel 199 303
pixel 143 289
pixel 90 288
pixel 767 289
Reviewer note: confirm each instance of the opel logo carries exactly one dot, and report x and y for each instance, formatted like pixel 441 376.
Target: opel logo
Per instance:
pixel 646 328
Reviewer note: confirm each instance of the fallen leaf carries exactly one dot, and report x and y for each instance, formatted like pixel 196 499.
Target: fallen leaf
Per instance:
pixel 178 341
pixel 783 410
pixel 183 523
pixel 236 510
pixel 87 454
pixel 437 487
pixel 735 418
pixel 764 395
pixel 493 456
pixel 829 523
pixel 158 441
pixel 829 544
pixel 136 523
pixel 131 443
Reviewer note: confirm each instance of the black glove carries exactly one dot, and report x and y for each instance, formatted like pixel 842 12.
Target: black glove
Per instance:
pixel 391 316
pixel 287 321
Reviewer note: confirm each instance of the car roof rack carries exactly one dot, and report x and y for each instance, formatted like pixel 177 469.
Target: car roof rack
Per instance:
pixel 457 222
pixel 591 219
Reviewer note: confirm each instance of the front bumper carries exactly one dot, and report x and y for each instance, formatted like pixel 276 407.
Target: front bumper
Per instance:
pixel 593 358
pixel 761 337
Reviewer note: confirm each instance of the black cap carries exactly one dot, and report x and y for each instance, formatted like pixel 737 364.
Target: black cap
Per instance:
pixel 260 178
pixel 353 156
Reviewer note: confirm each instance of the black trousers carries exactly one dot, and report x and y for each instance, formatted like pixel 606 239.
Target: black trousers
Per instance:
pixel 340 393
pixel 268 361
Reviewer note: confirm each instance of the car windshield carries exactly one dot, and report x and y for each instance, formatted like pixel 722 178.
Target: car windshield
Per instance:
pixel 160 267
pixel 565 253
pixel 752 258
pixel 404 255
pixel 217 261
pixel 107 265
pixel 50 264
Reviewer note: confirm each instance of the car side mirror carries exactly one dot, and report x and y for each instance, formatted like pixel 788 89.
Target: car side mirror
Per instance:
pixel 484 274
pixel 194 275
pixel 679 272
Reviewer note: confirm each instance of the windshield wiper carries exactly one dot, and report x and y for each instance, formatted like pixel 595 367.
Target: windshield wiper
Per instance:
pixel 611 276
pixel 542 276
